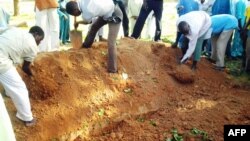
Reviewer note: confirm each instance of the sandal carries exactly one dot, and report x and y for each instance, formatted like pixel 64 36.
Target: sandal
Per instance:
pixel 29 123
pixel 219 68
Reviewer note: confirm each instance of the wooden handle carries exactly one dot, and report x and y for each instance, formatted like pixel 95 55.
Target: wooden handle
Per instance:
pixel 74 22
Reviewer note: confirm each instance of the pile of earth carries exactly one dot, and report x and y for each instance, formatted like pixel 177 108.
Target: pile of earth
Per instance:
pixel 74 98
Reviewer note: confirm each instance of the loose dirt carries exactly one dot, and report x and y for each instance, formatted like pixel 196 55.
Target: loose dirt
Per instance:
pixel 74 98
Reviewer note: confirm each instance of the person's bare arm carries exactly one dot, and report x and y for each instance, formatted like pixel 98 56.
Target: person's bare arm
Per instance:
pixel 26 68
pixel 80 22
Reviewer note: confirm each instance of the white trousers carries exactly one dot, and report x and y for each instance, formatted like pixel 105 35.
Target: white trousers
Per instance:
pixel 150 29
pixel 150 32
pixel 6 130
pixel 16 89
pixel 219 45
pixel 48 20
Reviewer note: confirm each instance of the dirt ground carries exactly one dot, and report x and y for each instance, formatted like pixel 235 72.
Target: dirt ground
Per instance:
pixel 74 98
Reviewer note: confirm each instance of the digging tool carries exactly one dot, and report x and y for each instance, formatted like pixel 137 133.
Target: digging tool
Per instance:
pixel 75 37
pixel 177 56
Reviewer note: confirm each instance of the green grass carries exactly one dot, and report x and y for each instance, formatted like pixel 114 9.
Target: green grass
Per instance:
pixel 236 73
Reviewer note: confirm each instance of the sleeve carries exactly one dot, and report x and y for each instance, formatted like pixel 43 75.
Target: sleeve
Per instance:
pixel 30 49
pixel 7 16
pixel 191 48
pixel 60 13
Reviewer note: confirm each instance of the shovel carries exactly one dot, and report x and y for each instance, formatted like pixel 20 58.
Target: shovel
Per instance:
pixel 76 37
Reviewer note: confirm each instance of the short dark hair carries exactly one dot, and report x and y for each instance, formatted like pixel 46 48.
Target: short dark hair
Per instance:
pixel 36 30
pixel 183 27
pixel 70 7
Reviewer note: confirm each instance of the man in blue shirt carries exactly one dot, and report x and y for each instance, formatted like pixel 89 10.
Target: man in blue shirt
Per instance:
pixel 222 28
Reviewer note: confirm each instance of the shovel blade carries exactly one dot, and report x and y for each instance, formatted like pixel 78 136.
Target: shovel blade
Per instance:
pixel 76 39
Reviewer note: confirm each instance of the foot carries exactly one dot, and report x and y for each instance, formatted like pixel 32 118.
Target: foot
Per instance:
pixel 112 71
pixel 193 68
pixel 130 37
pixel 83 46
pixel 29 123
pixel 219 68
pixel 211 60
pixel 101 39
pixel 159 41
pixel 174 45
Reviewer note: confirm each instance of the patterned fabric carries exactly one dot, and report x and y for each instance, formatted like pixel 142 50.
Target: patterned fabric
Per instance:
pixel 237 48
pixel 64 22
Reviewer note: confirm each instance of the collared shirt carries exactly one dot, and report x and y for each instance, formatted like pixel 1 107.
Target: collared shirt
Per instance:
pixel 15 46
pixel 199 22
pixel 46 4
pixel 96 8
pixel 134 7
pixel 223 22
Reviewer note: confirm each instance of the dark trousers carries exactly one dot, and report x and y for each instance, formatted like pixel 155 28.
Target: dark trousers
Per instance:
pixel 157 7
pixel 178 36
pixel 125 21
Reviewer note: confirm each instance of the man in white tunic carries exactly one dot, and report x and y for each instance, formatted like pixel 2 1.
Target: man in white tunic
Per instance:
pixel 17 47
pixel 195 26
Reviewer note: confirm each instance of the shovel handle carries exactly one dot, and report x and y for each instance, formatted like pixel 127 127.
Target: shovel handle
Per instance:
pixel 74 22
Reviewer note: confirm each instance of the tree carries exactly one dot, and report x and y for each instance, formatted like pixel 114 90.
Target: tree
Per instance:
pixel 16 7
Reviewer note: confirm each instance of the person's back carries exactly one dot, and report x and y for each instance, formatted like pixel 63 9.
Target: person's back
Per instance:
pixel 223 22
pixel 199 22
pixel 15 44
pixel 221 7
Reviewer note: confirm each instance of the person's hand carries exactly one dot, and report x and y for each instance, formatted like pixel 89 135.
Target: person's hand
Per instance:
pixel 183 61
pixel 76 25
pixel 179 8
pixel 26 68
